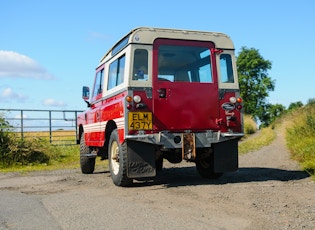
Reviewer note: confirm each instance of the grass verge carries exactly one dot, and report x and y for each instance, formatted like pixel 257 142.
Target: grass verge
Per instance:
pixel 67 157
pixel 300 137
pixel 257 141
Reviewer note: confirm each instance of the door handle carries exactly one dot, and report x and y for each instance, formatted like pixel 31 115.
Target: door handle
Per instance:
pixel 162 92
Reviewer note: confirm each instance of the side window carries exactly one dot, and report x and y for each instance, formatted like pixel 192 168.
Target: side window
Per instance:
pixel 226 69
pixel 98 85
pixel 140 65
pixel 116 72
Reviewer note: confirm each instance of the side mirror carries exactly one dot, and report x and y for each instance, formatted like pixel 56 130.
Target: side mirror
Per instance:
pixel 86 95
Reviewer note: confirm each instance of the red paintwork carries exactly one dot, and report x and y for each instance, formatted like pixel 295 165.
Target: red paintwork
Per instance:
pixel 103 111
pixel 187 106
pixel 235 125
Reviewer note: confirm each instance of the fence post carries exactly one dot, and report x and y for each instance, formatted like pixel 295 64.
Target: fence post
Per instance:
pixel 50 128
pixel 76 125
pixel 22 126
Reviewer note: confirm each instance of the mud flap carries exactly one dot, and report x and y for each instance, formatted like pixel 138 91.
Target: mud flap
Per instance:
pixel 226 156
pixel 141 160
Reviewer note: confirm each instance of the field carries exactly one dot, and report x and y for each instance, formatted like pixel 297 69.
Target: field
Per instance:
pixel 59 137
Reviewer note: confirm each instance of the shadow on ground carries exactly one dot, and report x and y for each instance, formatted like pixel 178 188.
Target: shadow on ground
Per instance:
pixel 187 176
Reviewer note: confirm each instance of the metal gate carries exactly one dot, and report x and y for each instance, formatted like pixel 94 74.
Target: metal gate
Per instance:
pixel 57 126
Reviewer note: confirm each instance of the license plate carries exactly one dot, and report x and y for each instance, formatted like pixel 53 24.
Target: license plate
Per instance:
pixel 140 120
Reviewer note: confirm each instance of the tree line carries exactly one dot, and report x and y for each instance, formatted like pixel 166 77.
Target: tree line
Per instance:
pixel 255 86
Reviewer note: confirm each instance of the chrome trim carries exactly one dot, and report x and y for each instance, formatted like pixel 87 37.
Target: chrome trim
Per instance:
pixel 232 134
pixel 88 155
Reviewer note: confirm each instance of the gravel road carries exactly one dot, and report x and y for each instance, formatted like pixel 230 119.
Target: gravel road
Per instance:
pixel 269 191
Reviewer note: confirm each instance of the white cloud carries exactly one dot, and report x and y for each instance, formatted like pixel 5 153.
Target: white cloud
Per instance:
pixel 9 94
pixel 18 116
pixel 53 102
pixel 15 65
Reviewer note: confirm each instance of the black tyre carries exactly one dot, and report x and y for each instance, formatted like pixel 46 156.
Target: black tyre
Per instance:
pixel 87 163
pixel 117 156
pixel 159 164
pixel 205 168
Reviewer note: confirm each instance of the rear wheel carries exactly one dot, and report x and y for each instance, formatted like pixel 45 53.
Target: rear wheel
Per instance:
pixel 159 163
pixel 205 167
pixel 87 163
pixel 117 155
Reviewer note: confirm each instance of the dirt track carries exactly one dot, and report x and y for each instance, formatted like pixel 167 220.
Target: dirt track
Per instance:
pixel 268 192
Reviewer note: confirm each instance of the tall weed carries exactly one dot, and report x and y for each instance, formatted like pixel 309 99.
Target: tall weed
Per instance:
pixel 300 136
pixel 250 126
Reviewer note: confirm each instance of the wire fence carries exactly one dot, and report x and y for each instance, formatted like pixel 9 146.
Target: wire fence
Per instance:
pixel 57 126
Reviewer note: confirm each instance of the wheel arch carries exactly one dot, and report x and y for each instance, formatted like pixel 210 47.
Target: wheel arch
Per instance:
pixel 110 126
pixel 79 135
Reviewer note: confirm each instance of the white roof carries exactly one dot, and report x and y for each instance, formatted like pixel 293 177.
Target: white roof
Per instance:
pixel 147 35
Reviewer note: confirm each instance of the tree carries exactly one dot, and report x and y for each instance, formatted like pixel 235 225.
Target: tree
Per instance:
pixel 295 105
pixel 272 112
pixel 311 101
pixel 255 84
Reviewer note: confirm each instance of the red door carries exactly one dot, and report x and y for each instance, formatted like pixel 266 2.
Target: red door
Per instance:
pixel 185 86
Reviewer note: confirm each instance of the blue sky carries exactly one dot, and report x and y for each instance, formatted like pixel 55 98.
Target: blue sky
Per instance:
pixel 49 49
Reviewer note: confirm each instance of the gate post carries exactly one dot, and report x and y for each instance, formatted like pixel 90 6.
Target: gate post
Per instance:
pixel 50 129
pixel 22 124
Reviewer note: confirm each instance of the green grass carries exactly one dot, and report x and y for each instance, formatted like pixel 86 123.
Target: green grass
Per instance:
pixel 261 139
pixel 61 157
pixel 64 157
pixel 300 137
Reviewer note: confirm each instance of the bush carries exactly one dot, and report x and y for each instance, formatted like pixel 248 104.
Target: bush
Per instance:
pixel 15 151
pixel 250 125
pixel 5 140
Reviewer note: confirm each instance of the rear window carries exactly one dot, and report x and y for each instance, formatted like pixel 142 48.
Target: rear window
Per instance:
pixel 184 64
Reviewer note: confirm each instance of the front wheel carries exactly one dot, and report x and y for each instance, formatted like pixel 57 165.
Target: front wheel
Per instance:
pixel 87 163
pixel 117 155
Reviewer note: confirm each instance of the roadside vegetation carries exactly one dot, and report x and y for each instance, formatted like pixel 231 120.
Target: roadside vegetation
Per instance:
pixel 300 135
pixel 255 138
pixel 250 126
pixel 263 138
pixel 37 153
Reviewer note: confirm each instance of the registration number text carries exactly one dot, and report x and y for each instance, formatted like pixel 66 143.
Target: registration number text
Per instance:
pixel 140 120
